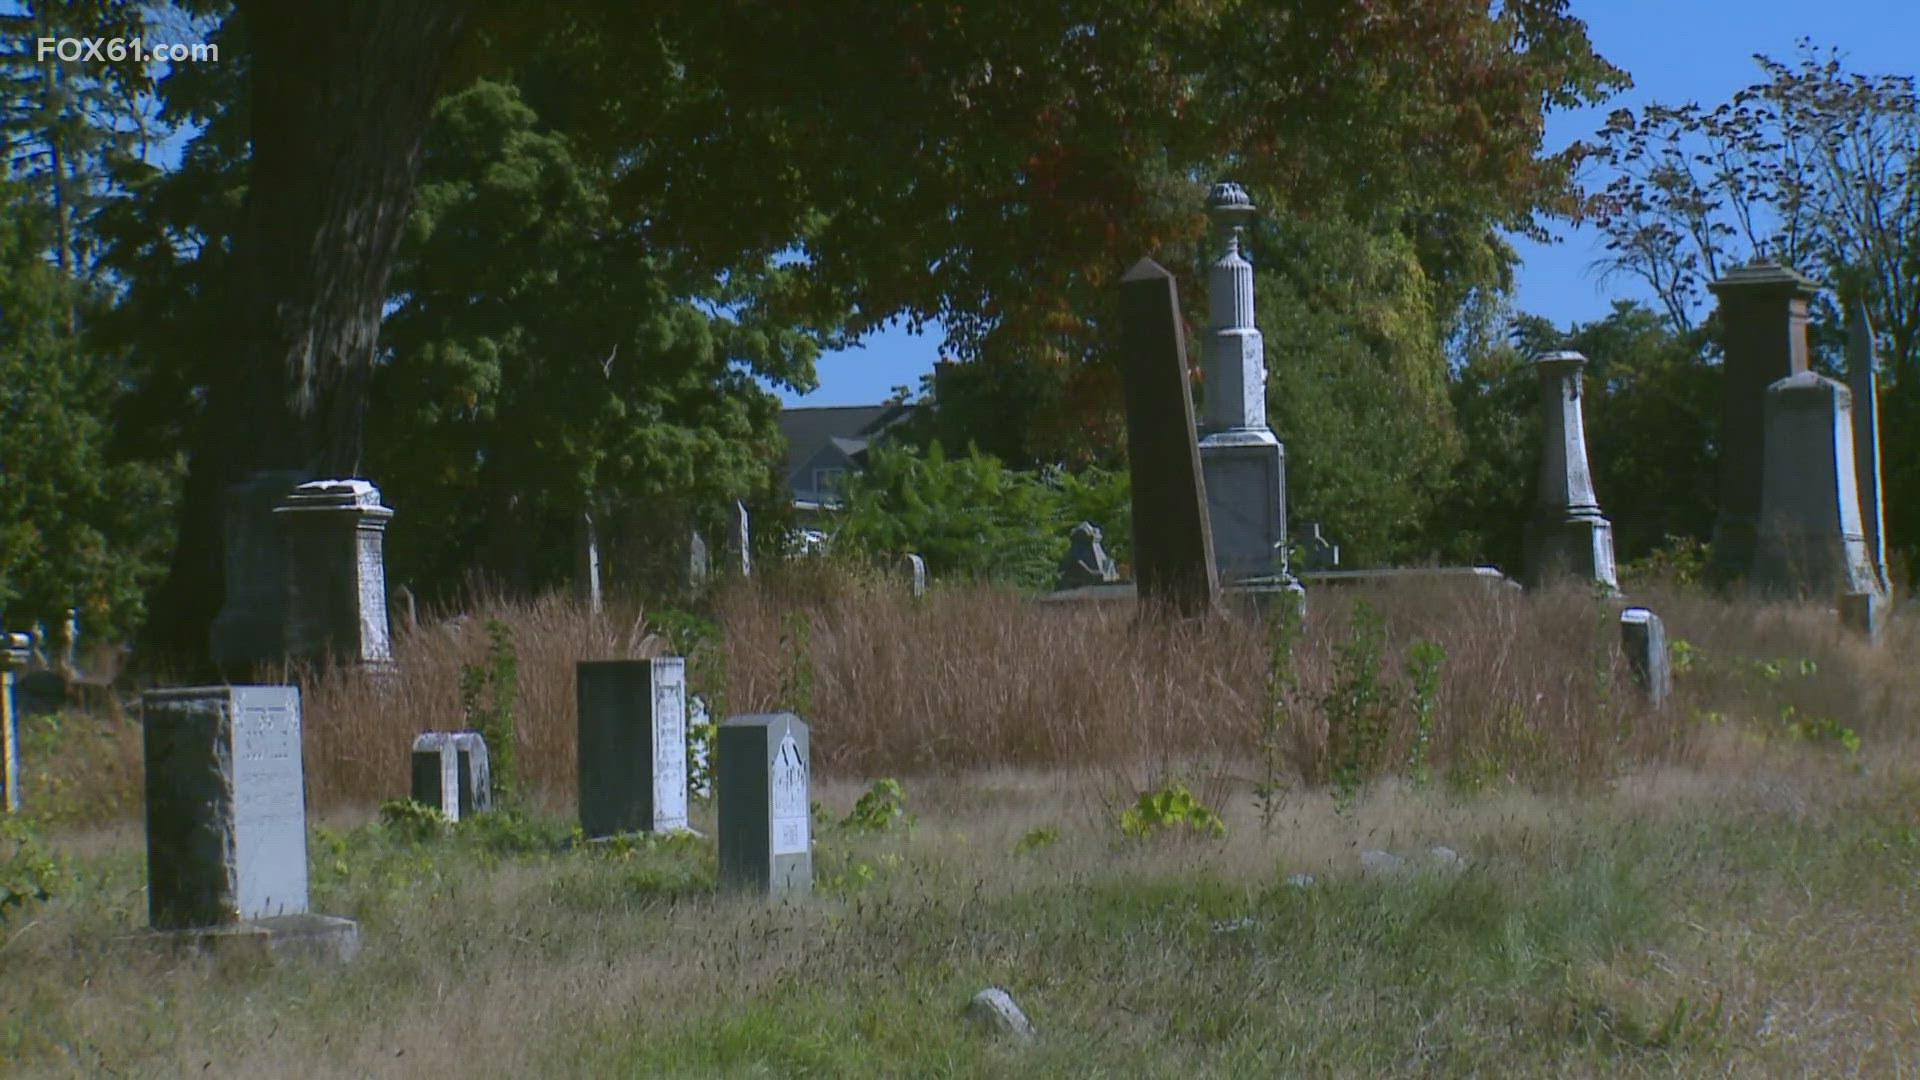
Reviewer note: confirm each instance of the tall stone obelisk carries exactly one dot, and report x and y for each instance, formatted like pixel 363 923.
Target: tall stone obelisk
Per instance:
pixel 1244 465
pixel 1567 538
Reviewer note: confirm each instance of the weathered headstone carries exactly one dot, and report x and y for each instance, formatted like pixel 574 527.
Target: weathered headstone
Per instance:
pixel 1086 561
pixel 336 572
pixel 766 839
pixel 633 745
pixel 409 611
pixel 1566 537
pixel 1810 542
pixel 15 653
pixel 1866 439
pixel 1317 552
pixel 916 575
pixel 740 539
pixel 1763 312
pixel 451 773
pixel 697 568
pixel 251 626
pixel 70 644
pixel 1172 537
pixel 587 574
pixel 1643 637
pixel 227 821
pixel 1245 465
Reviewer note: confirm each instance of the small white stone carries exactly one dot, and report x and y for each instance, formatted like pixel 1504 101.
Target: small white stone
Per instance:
pixel 995 1010
pixel 1301 881
pixel 1382 862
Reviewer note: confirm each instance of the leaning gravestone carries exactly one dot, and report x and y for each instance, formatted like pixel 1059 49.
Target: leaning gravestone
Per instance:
pixel 227 821
pixel 1643 637
pixel 766 843
pixel 633 745
pixel 1172 536
pixel 451 773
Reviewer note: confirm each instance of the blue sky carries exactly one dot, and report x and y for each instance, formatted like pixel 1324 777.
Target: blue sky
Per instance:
pixel 1676 51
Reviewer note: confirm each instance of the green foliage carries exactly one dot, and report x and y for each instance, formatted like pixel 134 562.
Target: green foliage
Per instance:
pixel 1035 839
pixel 1820 730
pixel 1681 562
pixel 1170 807
pixel 1358 706
pixel 413 821
pixel 28 871
pixel 700 641
pixel 488 693
pixel 969 517
pixel 882 807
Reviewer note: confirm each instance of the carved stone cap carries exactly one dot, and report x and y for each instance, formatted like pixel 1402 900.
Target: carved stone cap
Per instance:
pixel 1810 385
pixel 1764 274
pixel 1559 363
pixel 1228 204
pixel 1636 615
pixel 358 495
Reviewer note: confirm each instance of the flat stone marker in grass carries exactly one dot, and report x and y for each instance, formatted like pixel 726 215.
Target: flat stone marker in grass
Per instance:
pixel 227 820
pixel 451 773
pixel 633 745
pixel 1643 637
pixel 766 839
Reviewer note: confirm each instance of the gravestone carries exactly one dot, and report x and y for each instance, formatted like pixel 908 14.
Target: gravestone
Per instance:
pixel 633 745
pixel 1086 562
pixel 1316 551
pixel 1172 536
pixel 766 845
pixel 587 573
pixel 1810 542
pixel 1566 537
pixel 916 575
pixel 740 539
pixel 70 644
pixel 1763 312
pixel 1861 362
pixel 409 611
pixel 251 626
pixel 15 654
pixel 227 821
pixel 451 773
pixel 697 568
pixel 1244 464
pixel 336 572
pixel 1643 637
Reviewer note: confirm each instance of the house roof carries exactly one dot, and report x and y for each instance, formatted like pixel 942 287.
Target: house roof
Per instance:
pixel 847 427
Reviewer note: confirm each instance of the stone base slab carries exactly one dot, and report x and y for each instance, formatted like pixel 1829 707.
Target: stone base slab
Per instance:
pixel 314 937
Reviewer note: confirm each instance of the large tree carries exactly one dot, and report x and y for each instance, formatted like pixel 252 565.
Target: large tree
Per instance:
pixel 992 164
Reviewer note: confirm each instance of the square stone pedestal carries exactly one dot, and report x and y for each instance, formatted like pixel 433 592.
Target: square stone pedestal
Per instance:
pixel 1245 474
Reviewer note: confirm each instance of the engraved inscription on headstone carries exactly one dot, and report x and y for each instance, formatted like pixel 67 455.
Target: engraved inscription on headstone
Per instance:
pixel 789 800
pixel 670 746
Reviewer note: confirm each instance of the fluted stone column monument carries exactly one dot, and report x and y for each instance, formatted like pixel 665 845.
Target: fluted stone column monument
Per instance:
pixel 1763 307
pixel 336 572
pixel 1567 537
pixel 1244 464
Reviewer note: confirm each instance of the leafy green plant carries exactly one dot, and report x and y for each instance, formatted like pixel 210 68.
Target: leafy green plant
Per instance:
pixel 1820 730
pixel 487 695
pixel 409 820
pixel 1358 706
pixel 1035 839
pixel 883 805
pixel 1423 679
pixel 28 871
pixel 1684 654
pixel 1170 807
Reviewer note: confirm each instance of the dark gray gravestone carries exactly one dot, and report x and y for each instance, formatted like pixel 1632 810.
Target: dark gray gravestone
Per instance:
pixel 1172 539
pixel 1643 637
pixel 1763 310
pixel 1811 543
pixel 766 842
pixel 336 572
pixel 633 745
pixel 252 621
pixel 451 773
pixel 226 805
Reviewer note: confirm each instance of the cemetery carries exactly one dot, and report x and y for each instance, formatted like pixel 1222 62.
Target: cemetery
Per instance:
pixel 1278 690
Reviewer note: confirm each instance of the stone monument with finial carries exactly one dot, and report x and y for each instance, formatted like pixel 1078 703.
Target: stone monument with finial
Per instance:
pixel 1244 464
pixel 1567 538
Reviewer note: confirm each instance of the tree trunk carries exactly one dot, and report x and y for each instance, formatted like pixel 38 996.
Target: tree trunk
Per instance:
pixel 341 95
